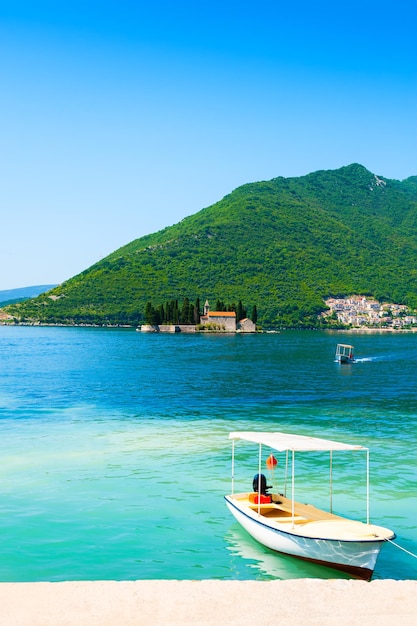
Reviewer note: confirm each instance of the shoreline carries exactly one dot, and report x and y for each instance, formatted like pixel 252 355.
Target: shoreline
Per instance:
pixel 349 330
pixel 209 603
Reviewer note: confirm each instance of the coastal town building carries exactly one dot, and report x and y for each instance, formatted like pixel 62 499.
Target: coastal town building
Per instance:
pixel 359 311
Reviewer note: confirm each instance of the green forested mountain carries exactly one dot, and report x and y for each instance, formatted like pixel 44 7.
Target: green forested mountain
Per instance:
pixel 282 245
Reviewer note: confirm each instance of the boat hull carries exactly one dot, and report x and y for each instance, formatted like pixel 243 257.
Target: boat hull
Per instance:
pixel 345 359
pixel 357 558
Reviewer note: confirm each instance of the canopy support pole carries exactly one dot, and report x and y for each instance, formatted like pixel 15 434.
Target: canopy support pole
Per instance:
pixel 367 486
pixel 331 481
pixel 286 473
pixel 233 467
pixel 293 487
pixel 259 478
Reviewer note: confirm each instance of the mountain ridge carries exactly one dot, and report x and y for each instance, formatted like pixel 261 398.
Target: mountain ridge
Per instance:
pixel 282 245
pixel 20 293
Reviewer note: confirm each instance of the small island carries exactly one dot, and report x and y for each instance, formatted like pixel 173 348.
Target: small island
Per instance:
pixel 209 321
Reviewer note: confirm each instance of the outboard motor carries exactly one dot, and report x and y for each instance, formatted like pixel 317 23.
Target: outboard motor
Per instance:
pixel 259 484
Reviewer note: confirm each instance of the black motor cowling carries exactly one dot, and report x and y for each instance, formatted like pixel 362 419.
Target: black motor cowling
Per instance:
pixel 259 484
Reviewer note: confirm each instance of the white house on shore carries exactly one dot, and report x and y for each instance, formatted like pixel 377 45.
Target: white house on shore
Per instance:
pixel 246 326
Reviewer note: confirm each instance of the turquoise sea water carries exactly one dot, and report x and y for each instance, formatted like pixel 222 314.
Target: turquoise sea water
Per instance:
pixel 115 454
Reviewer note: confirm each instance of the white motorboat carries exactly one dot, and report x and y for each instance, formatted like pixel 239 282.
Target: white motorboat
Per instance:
pixel 303 530
pixel 344 353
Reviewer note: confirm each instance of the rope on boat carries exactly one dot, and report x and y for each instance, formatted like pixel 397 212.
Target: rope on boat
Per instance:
pixel 401 548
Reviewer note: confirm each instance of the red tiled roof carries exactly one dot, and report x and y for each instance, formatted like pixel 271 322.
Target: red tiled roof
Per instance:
pixel 221 314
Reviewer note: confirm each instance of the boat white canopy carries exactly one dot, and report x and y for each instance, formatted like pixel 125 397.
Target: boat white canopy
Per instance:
pixel 289 443
pixel 283 442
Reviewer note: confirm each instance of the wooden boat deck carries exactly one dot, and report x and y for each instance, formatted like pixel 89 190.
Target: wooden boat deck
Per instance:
pixel 281 509
pixel 310 521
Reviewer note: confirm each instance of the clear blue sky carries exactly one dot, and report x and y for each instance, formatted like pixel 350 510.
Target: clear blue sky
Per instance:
pixel 119 118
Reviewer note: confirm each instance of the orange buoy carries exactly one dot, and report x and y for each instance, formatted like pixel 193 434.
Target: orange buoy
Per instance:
pixel 271 461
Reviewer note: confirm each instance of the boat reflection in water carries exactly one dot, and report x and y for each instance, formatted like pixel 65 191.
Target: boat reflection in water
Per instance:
pixel 270 564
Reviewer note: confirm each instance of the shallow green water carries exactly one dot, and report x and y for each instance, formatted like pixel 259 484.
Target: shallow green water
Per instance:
pixel 115 452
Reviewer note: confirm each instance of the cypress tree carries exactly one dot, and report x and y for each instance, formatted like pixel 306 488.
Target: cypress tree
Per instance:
pixel 239 312
pixel 176 313
pixel 149 313
pixel 197 311
pixel 185 311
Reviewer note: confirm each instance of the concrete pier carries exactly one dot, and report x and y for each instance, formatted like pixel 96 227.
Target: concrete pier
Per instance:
pixel 307 602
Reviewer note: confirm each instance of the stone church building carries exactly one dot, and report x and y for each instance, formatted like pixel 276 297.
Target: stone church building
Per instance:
pixel 226 321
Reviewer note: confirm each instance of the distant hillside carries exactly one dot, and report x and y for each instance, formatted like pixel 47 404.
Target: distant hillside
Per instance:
pixel 23 293
pixel 283 244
